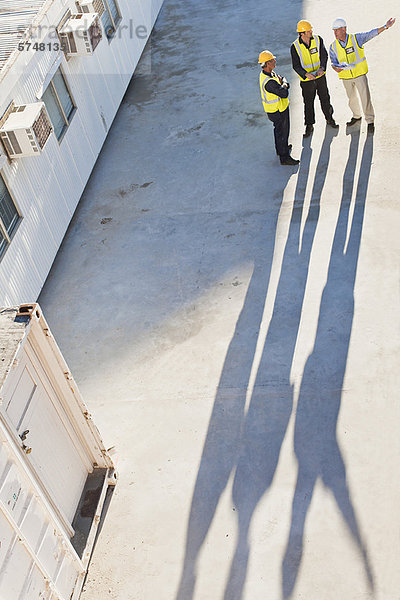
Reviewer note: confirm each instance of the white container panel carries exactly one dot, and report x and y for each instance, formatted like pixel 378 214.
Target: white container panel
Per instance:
pixel 3 463
pixel 74 181
pixel 20 268
pixel 8 537
pixel 24 269
pixel 35 522
pixel 33 547
pixel 46 179
pixel 86 124
pixel 36 588
pixel 12 493
pixel 51 553
pixel 67 577
pixel 13 559
pixel 31 405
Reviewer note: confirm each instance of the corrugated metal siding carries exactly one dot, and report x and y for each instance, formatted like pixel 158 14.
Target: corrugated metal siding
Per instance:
pixel 47 188
pixel 16 18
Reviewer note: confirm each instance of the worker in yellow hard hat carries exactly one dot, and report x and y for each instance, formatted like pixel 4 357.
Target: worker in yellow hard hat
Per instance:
pixel 309 59
pixel 348 59
pixel 274 97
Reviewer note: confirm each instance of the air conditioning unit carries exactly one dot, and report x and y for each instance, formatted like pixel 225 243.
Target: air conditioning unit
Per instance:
pixel 91 6
pixel 80 34
pixel 26 130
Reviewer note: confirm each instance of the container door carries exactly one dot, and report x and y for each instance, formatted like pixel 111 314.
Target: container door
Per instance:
pixel 37 417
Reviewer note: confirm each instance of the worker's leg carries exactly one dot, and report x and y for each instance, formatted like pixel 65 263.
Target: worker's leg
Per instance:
pixel 324 98
pixel 280 121
pixel 365 96
pixel 352 95
pixel 308 89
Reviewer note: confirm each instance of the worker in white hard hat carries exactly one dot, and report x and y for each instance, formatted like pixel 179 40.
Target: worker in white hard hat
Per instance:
pixel 348 59
pixel 309 59
pixel 274 97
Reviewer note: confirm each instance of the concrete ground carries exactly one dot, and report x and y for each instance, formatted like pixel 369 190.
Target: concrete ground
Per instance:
pixel 233 324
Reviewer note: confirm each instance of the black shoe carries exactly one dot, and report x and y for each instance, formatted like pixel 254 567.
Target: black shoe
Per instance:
pixel 352 121
pixel 288 160
pixel 332 123
pixel 371 128
pixel 289 147
pixel 308 131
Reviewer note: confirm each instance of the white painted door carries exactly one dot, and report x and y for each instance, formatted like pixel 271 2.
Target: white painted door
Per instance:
pixel 34 412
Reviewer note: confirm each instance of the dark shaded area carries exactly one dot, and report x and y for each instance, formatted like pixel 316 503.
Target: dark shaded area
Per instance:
pixel 315 440
pixel 86 509
pixel 272 400
pixel 222 445
pixel 249 444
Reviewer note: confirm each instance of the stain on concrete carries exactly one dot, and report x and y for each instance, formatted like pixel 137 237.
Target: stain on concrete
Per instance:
pixel 180 72
pixel 180 133
pixel 253 119
pixel 103 120
pixel 124 191
pixel 245 65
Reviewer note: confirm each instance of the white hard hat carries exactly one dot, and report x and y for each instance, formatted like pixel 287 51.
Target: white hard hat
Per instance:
pixel 337 23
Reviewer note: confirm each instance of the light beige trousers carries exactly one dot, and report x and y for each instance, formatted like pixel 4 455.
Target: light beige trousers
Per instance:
pixel 360 85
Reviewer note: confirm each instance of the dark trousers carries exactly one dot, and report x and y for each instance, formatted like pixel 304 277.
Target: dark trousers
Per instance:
pixel 281 124
pixel 311 87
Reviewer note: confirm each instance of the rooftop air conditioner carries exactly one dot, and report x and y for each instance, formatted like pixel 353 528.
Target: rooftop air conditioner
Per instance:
pixel 26 130
pixel 91 6
pixel 80 34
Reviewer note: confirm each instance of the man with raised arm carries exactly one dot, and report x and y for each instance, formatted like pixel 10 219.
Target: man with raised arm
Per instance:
pixel 348 59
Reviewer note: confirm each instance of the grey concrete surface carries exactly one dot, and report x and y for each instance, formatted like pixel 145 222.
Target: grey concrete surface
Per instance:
pixel 233 324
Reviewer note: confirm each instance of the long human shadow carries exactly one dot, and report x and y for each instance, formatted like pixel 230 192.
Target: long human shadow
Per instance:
pixel 271 402
pixel 220 450
pixel 315 440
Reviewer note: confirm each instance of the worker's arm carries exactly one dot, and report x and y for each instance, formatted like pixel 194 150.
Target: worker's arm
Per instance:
pixel 323 57
pixel 334 59
pixel 273 87
pixel 363 38
pixel 389 23
pixel 296 62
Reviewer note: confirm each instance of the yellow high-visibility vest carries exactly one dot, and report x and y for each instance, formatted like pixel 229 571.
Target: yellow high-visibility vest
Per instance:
pixel 352 53
pixel 271 102
pixel 309 57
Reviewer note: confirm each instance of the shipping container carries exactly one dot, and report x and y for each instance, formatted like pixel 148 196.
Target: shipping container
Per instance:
pixel 55 472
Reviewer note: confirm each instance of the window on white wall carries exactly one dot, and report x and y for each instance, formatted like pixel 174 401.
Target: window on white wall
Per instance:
pixel 59 103
pixel 110 17
pixel 9 217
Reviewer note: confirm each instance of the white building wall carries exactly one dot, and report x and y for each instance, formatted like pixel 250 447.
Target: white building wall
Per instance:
pixel 47 188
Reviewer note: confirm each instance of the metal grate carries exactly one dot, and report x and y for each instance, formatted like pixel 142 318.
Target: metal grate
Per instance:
pixel 42 128
pixel 6 144
pixel 95 34
pixel 12 139
pixel 98 6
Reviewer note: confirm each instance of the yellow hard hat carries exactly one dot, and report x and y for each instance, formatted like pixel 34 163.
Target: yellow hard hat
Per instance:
pixel 265 56
pixel 303 26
